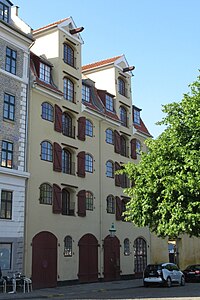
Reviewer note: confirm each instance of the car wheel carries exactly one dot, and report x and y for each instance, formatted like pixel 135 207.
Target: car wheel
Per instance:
pixel 182 281
pixel 169 282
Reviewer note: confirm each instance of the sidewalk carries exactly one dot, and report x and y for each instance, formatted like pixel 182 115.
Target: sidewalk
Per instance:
pixel 73 291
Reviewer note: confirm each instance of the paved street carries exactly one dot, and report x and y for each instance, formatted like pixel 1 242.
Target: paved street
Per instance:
pixel 123 289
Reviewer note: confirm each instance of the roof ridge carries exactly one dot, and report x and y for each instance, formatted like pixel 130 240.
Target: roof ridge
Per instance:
pixel 103 61
pixel 51 24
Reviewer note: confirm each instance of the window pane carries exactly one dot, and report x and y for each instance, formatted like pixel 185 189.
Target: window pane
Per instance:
pixel 109 136
pixel 68 246
pixel 45 194
pixel 88 128
pixel 88 163
pixel 5 256
pixel 6 205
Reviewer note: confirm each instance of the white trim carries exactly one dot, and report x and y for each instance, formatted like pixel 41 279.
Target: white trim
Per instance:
pixel 13 172
pixel 45 91
pixel 15 77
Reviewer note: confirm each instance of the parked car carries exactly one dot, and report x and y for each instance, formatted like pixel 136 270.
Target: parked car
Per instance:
pixel 192 273
pixel 163 274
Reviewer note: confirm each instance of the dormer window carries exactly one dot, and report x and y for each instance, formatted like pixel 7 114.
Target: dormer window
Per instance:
pixel 85 93
pixel 45 73
pixel 109 103
pixel 68 55
pixel 136 116
pixel 4 12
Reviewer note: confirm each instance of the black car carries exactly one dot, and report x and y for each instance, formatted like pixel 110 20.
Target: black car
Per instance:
pixel 192 273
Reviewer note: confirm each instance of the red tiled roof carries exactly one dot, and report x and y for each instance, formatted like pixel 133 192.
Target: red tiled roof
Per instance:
pixel 50 25
pixel 100 63
pixel 142 128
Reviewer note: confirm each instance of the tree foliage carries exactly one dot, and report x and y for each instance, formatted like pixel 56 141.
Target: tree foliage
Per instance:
pixel 166 183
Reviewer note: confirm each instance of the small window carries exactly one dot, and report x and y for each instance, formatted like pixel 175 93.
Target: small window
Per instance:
pixel 45 73
pixel 67 128
pixel 68 246
pixel 110 204
pixel 46 194
pixel 109 103
pixel 66 161
pixel 67 204
pixel 6 205
pixel 109 136
pixel 88 128
pixel 7 155
pixel 121 86
pixel 4 14
pixel 89 200
pixel 9 107
pixel 5 256
pixel 109 169
pixel 136 116
pixel 126 247
pixel 138 147
pixel 46 151
pixel 11 60
pixel 85 93
pixel 47 111
pixel 88 163
pixel 68 55
pixel 123 116
pixel 68 89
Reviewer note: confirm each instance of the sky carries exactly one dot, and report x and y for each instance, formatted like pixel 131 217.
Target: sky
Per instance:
pixel 161 38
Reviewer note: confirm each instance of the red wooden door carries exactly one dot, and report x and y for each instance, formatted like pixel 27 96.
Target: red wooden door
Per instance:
pixel 111 258
pixel 88 258
pixel 44 260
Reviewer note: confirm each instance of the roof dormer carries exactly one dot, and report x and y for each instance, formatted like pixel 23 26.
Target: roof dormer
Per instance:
pixel 5 8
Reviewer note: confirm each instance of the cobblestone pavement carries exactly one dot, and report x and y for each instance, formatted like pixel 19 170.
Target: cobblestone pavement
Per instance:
pixel 123 289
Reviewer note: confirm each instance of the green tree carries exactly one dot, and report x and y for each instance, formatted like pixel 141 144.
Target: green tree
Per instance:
pixel 166 183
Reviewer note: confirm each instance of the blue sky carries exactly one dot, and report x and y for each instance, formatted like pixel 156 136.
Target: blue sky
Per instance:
pixel 161 38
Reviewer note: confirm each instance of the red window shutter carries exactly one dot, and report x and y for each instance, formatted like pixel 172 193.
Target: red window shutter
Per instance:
pixel 58 119
pixel 117 142
pixel 81 164
pixel 57 202
pixel 118 212
pixel 82 203
pixel 117 177
pixel 81 128
pixel 133 149
pixel 57 157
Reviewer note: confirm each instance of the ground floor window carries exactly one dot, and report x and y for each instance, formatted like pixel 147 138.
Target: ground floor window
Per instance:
pixel 140 255
pixel 5 256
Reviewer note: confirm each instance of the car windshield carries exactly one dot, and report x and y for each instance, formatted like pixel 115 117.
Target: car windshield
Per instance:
pixel 154 267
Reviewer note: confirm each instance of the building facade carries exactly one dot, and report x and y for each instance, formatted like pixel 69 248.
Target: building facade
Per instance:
pixel 15 40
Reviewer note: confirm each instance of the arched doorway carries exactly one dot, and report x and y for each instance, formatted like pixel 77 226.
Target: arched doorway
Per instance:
pixel 140 256
pixel 88 258
pixel 111 258
pixel 44 260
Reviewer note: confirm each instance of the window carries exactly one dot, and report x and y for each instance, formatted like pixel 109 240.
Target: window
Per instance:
pixel 46 151
pixel 109 169
pixel 9 107
pixel 123 116
pixel 68 89
pixel 89 200
pixel 88 128
pixel 109 136
pixel 126 247
pixel 138 147
pixel 136 116
pixel 123 146
pixel 110 204
pixel 5 256
pixel 88 163
pixel 46 194
pixel 45 73
pixel 11 60
pixel 7 154
pixel 68 246
pixel 121 86
pixel 140 255
pixel 85 93
pixel 47 111
pixel 67 205
pixel 109 103
pixel 6 205
pixel 66 161
pixel 4 14
pixel 68 55
pixel 67 128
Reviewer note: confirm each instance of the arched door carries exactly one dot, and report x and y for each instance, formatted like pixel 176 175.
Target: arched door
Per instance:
pixel 88 258
pixel 140 256
pixel 44 260
pixel 111 258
